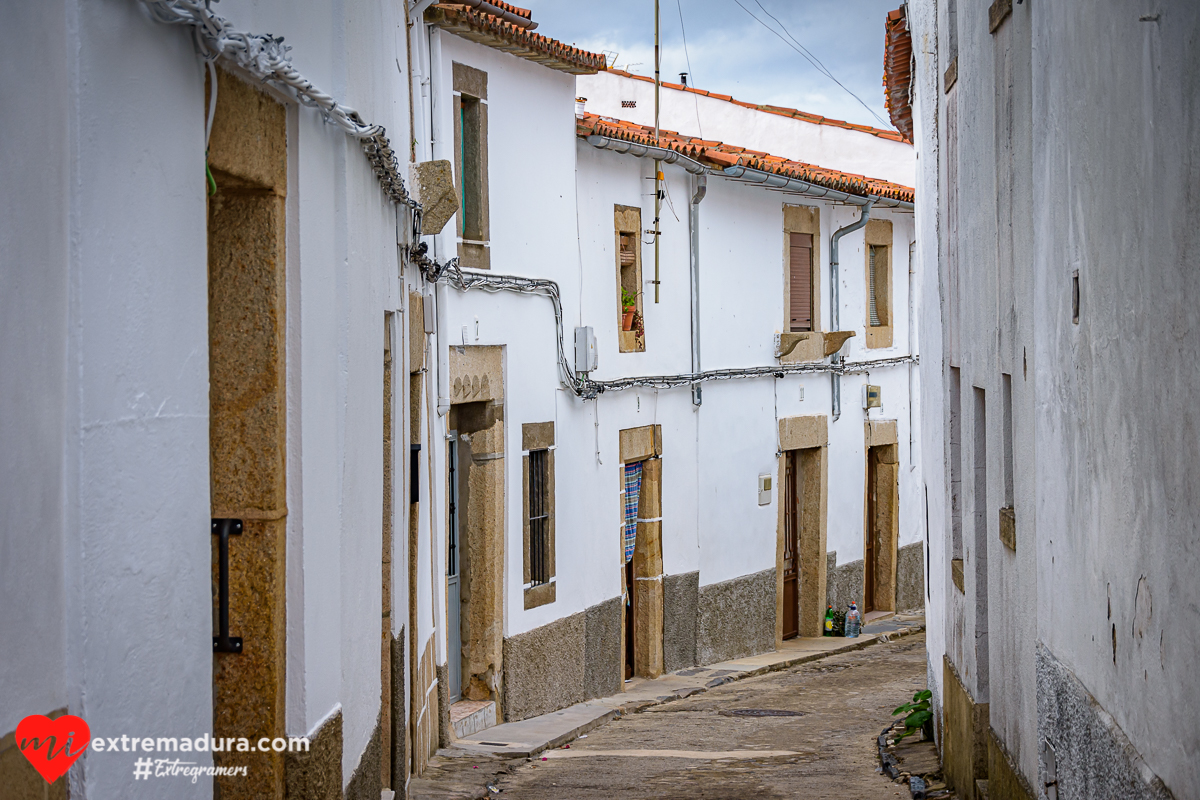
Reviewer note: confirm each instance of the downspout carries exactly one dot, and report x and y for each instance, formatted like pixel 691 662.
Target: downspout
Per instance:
pixel 835 380
pixel 694 253
pixel 442 335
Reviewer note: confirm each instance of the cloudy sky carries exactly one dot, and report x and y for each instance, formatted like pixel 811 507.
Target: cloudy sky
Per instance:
pixel 732 53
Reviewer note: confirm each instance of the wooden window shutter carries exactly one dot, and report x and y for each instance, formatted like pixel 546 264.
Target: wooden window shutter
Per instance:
pixel 800 303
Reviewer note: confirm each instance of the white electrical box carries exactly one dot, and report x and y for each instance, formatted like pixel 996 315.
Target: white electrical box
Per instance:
pixel 764 490
pixel 430 315
pixel 872 396
pixel 801 394
pixel 585 349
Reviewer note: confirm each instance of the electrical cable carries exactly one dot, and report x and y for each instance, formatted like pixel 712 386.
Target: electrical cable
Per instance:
pixel 585 386
pixel 821 68
pixel 266 57
pixel 688 59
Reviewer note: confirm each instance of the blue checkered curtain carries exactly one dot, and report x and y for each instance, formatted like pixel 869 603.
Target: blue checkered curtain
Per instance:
pixel 633 490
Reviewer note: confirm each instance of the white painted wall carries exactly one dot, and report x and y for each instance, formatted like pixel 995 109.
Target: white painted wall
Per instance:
pixel 104 383
pixel 105 373
pixel 827 145
pixel 1105 477
pixel 934 432
pixel 35 281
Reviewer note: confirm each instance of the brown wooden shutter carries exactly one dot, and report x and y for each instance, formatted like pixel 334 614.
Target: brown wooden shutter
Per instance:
pixel 800 266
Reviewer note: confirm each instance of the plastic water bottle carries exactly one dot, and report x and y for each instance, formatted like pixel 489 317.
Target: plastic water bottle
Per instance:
pixel 853 622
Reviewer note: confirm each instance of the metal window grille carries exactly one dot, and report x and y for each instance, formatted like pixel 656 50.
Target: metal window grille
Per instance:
pixel 452 511
pixel 871 295
pixel 539 517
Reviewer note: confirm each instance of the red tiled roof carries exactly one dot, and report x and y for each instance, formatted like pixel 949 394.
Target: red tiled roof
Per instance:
pixel 720 155
pixel 897 72
pixel 782 111
pixel 486 29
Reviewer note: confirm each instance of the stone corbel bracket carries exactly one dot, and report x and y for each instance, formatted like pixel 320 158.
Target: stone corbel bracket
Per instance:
pixel 795 348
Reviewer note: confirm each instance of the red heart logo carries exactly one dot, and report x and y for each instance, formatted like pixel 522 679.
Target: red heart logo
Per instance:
pixel 50 744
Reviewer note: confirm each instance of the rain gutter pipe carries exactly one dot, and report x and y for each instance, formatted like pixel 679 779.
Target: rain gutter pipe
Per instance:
pixel 773 181
pixel 499 13
pixel 768 179
pixel 835 380
pixel 694 254
pixel 647 151
pixel 441 293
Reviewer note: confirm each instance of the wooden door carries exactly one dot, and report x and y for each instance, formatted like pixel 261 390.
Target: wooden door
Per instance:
pixel 872 533
pixel 791 548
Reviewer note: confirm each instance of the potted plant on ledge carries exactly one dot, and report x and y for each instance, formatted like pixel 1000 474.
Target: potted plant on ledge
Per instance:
pixel 629 309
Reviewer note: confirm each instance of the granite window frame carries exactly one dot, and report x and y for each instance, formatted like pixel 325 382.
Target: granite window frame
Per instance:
pixel 537 512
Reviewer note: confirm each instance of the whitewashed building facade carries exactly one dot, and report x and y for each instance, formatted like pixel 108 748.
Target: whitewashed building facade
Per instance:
pixel 1057 356
pixel 228 374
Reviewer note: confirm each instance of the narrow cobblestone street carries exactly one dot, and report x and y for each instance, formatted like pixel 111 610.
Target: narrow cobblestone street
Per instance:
pixel 701 747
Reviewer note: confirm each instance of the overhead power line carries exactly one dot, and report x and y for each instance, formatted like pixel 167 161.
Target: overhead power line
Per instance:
pixel 808 56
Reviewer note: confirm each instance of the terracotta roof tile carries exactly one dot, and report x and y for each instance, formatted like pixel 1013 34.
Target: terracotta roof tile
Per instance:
pixel 721 155
pixel 897 72
pixel 782 111
pixel 487 29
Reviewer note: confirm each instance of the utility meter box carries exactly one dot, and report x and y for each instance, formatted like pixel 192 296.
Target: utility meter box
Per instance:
pixel 764 490
pixel 430 314
pixel 585 349
pixel 872 397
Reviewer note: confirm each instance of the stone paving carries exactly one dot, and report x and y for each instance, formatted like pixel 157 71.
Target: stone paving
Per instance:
pixel 465 770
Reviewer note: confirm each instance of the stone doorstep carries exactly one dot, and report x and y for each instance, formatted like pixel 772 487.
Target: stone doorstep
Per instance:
pixel 526 738
pixel 472 716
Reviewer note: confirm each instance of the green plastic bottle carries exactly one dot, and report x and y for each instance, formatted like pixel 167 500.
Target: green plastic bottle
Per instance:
pixel 829 622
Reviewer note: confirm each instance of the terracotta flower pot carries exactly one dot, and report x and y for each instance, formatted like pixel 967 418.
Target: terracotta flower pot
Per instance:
pixel 627 319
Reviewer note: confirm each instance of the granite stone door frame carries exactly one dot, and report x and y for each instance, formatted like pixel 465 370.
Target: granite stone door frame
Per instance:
pixel 248 419
pixel 477 414
pixel 881 519
pixel 644 444
pixel 804 440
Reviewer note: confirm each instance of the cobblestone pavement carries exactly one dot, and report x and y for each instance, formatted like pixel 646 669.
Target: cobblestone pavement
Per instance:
pixel 706 747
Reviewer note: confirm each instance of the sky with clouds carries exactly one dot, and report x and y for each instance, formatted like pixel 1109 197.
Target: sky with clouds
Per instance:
pixel 733 53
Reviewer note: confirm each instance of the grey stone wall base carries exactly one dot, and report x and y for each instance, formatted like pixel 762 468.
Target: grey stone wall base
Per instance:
pixel 570 660
pixel 399 754
pixel 367 781
pixel 603 668
pixel 1083 748
pixel 910 577
pixel 681 626
pixel 737 617
pixel 844 584
pixel 317 774
pixel 544 668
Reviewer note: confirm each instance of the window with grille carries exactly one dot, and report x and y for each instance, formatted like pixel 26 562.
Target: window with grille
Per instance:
pixel 539 517
pixel 877 288
pixel 800 281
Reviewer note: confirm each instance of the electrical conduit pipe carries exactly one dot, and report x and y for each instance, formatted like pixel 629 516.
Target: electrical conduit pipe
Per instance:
pixel 835 380
pixel 694 257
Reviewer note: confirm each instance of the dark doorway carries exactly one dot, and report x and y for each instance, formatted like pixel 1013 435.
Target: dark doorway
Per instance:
pixel 791 548
pixel 629 601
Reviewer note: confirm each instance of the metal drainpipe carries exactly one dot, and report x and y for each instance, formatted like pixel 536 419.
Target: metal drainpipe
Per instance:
pixel 694 248
pixel 441 337
pixel 835 380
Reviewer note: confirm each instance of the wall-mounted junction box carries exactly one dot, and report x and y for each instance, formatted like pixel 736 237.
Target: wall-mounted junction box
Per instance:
pixel 872 396
pixel 764 490
pixel 586 358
